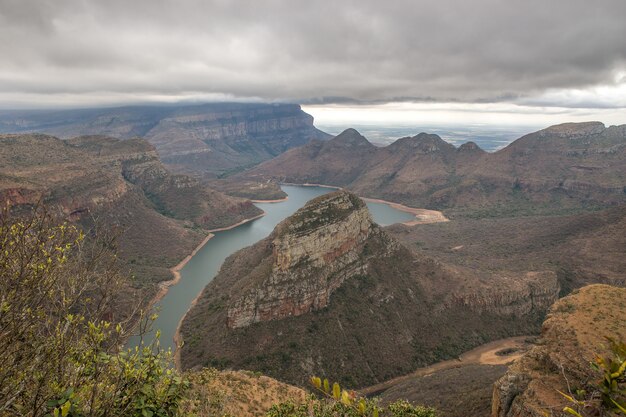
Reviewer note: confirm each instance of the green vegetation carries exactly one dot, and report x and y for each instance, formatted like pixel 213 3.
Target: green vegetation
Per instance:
pixel 59 344
pixel 335 401
pixel 607 396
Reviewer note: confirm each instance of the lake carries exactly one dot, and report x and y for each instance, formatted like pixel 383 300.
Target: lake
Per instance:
pixel 203 267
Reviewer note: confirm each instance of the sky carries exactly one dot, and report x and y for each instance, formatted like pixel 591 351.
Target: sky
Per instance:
pixel 528 62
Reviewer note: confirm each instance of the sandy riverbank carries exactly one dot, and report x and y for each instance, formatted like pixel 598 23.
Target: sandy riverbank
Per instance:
pixel 280 200
pixel 422 216
pixel 175 270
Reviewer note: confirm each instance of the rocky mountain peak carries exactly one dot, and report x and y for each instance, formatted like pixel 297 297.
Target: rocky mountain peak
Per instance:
pixel 470 147
pixel 350 138
pixel 312 253
pixel 423 142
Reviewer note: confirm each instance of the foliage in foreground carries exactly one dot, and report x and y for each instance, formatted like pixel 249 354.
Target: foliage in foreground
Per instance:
pixel 337 402
pixel 608 395
pixel 59 344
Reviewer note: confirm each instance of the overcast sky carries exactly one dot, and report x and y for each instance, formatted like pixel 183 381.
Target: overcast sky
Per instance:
pixel 478 60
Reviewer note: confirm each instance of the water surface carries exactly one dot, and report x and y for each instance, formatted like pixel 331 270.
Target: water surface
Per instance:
pixel 203 267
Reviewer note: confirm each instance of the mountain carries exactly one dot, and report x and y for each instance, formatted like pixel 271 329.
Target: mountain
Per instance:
pixel 572 336
pixel 569 166
pixel 331 293
pixel 121 186
pixel 207 139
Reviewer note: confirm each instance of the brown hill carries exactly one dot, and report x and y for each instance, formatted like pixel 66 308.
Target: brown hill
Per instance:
pixel 575 165
pixel 330 293
pixel 208 139
pixel 573 334
pixel 121 185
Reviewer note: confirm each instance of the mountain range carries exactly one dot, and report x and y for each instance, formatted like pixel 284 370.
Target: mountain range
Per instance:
pixel 564 167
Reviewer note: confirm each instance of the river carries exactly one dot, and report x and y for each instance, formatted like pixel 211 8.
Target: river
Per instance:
pixel 205 264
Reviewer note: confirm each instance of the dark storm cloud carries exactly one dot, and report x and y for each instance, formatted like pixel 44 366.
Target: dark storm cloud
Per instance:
pixel 311 51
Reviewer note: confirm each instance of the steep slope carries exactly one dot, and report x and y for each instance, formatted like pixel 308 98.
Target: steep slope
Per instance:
pixel 331 293
pixel 558 168
pixel 208 139
pixel 573 334
pixel 123 187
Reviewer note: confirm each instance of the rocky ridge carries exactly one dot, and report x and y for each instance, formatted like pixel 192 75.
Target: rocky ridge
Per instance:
pixel 572 335
pixel 574 165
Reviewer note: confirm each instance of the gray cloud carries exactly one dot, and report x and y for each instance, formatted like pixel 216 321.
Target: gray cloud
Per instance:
pixel 370 51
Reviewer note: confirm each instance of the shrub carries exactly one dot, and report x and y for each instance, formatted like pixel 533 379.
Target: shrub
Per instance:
pixel 60 348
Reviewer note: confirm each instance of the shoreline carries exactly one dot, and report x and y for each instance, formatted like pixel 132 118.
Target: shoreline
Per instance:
pixel 280 200
pixel 164 286
pixel 422 216
pixel 175 270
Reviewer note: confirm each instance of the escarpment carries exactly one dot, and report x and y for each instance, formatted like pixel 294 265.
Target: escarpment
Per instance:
pixel 120 186
pixel 208 139
pixel 573 334
pixel 331 293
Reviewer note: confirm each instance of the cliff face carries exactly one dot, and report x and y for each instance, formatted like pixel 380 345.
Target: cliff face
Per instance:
pixel 123 186
pixel 331 293
pixel 313 253
pixel 515 295
pixel 205 139
pixel 566 166
pixel 572 335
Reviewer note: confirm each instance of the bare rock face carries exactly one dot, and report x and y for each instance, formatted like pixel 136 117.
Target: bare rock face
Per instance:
pixel 207 139
pixel 313 253
pixel 515 295
pixel 572 335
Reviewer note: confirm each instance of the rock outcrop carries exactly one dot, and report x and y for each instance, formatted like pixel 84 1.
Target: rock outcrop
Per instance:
pixel 208 139
pixel 572 335
pixel 313 253
pixel 331 293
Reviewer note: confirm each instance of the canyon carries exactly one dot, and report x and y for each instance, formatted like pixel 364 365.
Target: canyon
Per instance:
pixel 116 188
pixel 329 290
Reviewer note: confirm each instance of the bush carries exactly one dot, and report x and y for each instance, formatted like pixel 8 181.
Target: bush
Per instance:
pixel 337 402
pixel 59 345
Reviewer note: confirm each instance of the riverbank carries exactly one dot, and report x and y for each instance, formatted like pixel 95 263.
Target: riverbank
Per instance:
pixel 176 269
pixel 422 216
pixel 177 276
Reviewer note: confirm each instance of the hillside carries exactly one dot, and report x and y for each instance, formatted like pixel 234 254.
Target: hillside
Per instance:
pixel 555 170
pixel 330 293
pixel 123 188
pixel 209 139
pixel 572 335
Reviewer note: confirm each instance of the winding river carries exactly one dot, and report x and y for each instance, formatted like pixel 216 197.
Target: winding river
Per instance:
pixel 204 265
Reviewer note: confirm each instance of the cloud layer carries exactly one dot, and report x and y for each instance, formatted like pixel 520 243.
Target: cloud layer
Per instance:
pixel 567 53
